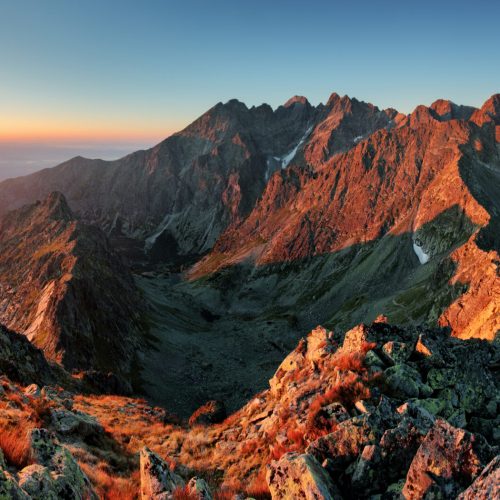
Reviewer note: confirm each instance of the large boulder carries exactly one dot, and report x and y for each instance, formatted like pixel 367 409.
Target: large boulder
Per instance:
pixel 404 381
pixel 158 482
pixel 75 422
pixel 37 482
pixel 342 446
pixel 300 476
pixel 487 485
pixel 447 461
pixel 67 479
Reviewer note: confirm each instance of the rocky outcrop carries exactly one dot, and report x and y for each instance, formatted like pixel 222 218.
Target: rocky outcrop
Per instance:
pixel 66 290
pixel 54 473
pixel 73 422
pixel 158 482
pixel 448 460
pixel 381 409
pixel 300 476
pixel 336 421
pixel 24 363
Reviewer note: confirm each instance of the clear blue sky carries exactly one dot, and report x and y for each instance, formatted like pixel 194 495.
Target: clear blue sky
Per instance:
pixel 142 69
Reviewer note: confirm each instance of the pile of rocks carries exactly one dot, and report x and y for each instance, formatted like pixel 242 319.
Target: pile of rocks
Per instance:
pixel 429 430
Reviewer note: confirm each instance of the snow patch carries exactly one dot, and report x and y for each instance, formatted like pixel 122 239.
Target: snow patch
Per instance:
pixel 285 160
pixel 357 139
pixel 422 256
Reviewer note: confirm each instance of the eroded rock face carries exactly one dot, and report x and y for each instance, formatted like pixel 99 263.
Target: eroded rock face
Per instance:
pixel 447 461
pixel 22 362
pixel 158 482
pixel 300 476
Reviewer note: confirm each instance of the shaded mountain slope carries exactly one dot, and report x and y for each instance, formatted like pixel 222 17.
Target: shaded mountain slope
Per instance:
pixel 66 290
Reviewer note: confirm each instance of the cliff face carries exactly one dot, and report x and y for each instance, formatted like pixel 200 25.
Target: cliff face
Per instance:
pixel 65 289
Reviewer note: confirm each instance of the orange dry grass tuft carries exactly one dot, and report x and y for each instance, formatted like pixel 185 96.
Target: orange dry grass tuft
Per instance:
pixel 40 410
pixel 249 446
pixel 15 444
pixel 184 494
pixel 354 361
pixel 111 487
pixel 258 488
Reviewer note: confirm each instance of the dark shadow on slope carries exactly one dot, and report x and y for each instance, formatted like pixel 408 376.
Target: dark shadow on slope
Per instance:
pixel 223 336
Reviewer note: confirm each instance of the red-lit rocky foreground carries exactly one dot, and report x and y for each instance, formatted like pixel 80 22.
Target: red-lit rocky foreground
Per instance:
pixel 383 413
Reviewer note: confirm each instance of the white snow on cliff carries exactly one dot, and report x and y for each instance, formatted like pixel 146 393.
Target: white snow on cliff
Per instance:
pixel 422 256
pixel 286 159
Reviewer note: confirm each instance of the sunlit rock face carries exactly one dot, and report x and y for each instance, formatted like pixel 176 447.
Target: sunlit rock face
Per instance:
pixel 433 175
pixel 175 199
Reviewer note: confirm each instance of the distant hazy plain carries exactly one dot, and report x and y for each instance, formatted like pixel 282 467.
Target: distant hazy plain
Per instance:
pixel 22 158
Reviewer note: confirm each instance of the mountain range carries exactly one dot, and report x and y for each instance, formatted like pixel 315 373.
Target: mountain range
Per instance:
pixel 158 274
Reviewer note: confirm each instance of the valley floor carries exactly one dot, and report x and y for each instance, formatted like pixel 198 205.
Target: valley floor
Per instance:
pixel 203 350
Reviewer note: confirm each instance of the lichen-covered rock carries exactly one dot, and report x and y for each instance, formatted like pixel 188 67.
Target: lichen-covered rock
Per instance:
pixel 212 412
pixel 158 482
pixel 68 480
pixel 197 488
pixel 447 461
pixel 404 381
pixel 367 476
pixel 345 443
pixel 300 476
pixel 9 489
pixel 37 482
pixel 68 422
pixel 440 378
pixel 397 352
pixel 487 485
pixel 43 446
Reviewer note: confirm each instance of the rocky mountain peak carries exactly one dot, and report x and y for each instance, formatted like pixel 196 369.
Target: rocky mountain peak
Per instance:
pixel 296 99
pixel 444 109
pixel 489 112
pixel 56 207
pixel 492 108
pixel 335 101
